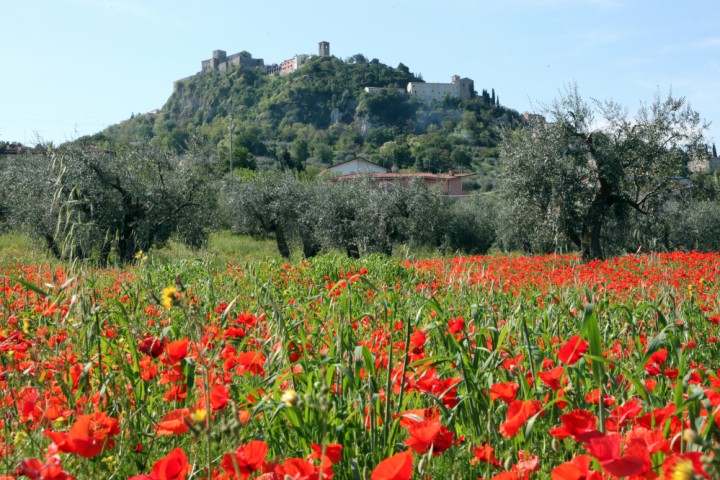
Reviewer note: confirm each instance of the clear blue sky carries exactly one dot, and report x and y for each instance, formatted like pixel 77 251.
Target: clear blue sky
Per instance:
pixel 74 67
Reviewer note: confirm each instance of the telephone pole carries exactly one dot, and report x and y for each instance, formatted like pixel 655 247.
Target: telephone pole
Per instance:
pixel 230 127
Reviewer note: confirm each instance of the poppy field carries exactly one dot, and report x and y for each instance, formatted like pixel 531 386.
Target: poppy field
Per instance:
pixel 503 367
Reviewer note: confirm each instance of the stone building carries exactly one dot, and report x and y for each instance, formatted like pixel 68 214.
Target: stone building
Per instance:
pixel 462 88
pixel 324 49
pixel 220 61
pixel 291 65
pixel 378 90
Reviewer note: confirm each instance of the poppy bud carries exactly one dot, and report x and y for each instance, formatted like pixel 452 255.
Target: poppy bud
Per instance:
pixel 555 444
pixel 690 435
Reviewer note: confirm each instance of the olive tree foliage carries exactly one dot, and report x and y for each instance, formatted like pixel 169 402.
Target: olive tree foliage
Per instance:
pixel 87 203
pixel 265 205
pixel 697 227
pixel 471 225
pixel 590 164
pixel 357 216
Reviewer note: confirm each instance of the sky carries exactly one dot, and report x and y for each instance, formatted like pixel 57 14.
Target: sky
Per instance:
pixel 74 67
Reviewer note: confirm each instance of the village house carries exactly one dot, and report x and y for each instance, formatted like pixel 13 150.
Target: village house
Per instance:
pixel 449 183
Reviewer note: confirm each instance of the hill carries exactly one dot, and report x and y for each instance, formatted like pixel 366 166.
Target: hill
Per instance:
pixel 321 114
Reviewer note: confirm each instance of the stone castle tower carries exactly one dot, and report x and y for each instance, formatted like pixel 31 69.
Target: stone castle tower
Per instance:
pixel 324 49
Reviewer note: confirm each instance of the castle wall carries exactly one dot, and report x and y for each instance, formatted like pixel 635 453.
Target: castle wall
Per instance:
pixel 431 91
pixel 462 88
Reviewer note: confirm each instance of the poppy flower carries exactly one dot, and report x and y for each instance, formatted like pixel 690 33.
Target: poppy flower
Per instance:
pixel 607 450
pixel 504 391
pixel 396 467
pixel 333 451
pixel 579 424
pixel 622 414
pixel 684 466
pixel 297 469
pixel 456 325
pixel 88 437
pixel 245 460
pixel 573 350
pixel 485 453
pixel 173 467
pixel 34 469
pixel 177 350
pixel 656 360
pixel 219 397
pixel 551 378
pixel 429 433
pixel 152 346
pixel 518 413
pixel 173 423
pixel 250 362
pixel 409 418
pixel 576 469
pixel 593 397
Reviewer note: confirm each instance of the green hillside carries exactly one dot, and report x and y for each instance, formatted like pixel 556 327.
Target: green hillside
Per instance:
pixel 320 114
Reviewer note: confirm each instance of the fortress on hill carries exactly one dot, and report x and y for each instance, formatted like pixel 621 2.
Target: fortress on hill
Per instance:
pixel 462 88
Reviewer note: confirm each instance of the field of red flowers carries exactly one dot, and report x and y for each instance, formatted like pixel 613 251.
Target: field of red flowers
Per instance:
pixel 482 367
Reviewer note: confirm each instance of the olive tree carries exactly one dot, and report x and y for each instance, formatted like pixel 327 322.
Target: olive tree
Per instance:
pixel 264 205
pixel 86 202
pixel 591 162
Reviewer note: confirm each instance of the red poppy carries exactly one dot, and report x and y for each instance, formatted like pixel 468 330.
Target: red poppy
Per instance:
pixel 456 325
pixel 572 350
pixel 688 462
pixel 219 397
pixel 251 362
pixel 653 441
pixel 409 418
pixel 173 467
pixel 579 424
pixel 485 453
pixel 429 433
pixel 297 469
pixel 518 413
pixel 34 469
pixel 177 350
pixel 152 346
pixel 173 423
pixel 504 391
pixel 333 451
pixel 89 435
pixel 551 378
pixel 396 467
pixel 656 360
pixel 593 397
pixel 245 460
pixel 576 469
pixel 607 449
pixel 621 415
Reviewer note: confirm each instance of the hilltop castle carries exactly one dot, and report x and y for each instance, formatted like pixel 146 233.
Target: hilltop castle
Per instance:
pixel 220 61
pixel 462 88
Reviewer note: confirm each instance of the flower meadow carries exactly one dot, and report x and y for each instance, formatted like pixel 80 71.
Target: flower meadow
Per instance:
pixel 492 367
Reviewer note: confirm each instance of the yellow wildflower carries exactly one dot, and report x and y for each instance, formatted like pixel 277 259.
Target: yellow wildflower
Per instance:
pixel 169 297
pixel 199 415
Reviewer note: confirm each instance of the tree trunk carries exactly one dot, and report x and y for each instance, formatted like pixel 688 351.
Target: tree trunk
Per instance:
pixel 310 248
pixel 352 251
pixel 281 241
pixel 590 246
pixel 52 245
